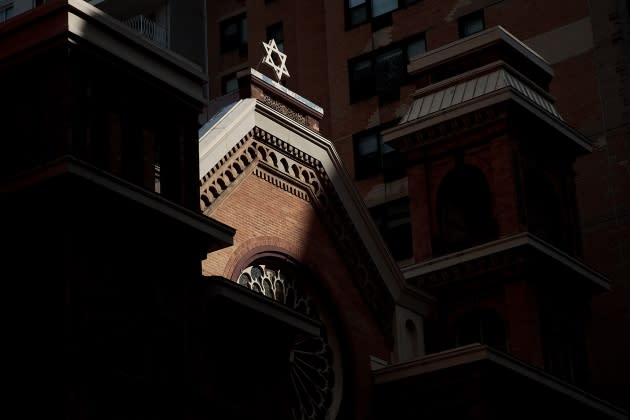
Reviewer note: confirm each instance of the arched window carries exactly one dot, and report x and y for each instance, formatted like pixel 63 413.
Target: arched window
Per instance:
pixel 464 210
pixel 411 334
pixel 315 379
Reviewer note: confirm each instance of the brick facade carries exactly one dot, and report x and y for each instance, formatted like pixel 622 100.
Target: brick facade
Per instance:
pixel 268 218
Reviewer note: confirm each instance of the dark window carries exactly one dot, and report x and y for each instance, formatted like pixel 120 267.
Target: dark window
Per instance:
pixel 377 11
pixel 6 12
pixel 464 210
pixel 229 83
pixel 380 7
pixel 471 24
pixel 563 337
pixel 276 33
pixel 234 34
pixel 357 12
pixel 484 327
pixel 416 47
pixel 389 72
pixel 394 223
pixel 383 71
pixel 361 79
pixel 372 156
pixel 367 155
pixel 545 216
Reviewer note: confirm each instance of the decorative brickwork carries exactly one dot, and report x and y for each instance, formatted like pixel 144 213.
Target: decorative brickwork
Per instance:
pixel 298 173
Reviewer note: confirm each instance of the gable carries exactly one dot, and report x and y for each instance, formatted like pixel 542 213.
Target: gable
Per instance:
pixel 276 161
pixel 268 220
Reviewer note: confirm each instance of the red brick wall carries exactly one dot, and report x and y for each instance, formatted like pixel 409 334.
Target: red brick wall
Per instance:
pixel 495 161
pixel 267 217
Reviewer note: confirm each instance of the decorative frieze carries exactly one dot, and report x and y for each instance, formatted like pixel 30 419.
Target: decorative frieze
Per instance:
pixel 283 109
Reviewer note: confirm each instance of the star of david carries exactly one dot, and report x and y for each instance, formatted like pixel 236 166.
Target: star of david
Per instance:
pixel 272 49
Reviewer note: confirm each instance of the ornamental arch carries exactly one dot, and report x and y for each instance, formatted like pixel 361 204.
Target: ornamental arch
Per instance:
pixel 314 367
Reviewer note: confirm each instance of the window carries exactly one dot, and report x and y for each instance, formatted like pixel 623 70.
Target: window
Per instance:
pixel 229 83
pixel 367 155
pixel 563 337
pixel 361 79
pixel 6 11
pixel 464 210
pixel 394 222
pixel 389 72
pixel 275 32
pixel 304 358
pixel 372 156
pixel 545 216
pixel 357 12
pixel 471 24
pixel 415 48
pixel 481 326
pixel 362 11
pixel 234 34
pixel 383 71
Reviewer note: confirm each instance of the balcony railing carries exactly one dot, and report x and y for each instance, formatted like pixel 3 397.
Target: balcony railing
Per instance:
pixel 149 29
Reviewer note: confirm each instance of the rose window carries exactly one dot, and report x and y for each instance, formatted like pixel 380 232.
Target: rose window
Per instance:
pixel 311 362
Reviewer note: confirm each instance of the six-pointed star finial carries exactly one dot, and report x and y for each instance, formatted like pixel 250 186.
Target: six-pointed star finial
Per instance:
pixel 281 69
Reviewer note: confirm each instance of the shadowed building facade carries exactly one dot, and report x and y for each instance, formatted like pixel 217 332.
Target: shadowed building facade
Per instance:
pixel 168 265
pixel 368 63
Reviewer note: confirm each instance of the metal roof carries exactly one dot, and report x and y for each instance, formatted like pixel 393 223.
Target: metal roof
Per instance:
pixel 466 90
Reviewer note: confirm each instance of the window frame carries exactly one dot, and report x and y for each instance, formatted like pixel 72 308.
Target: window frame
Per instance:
pixel 237 42
pixel 385 162
pixel 470 17
pixel 360 90
pixel 379 21
pixel 5 9
pixel 269 34
pixel 224 80
pixel 390 228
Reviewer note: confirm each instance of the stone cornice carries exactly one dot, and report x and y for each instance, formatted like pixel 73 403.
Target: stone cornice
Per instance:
pixel 495 255
pixel 473 43
pixel 475 353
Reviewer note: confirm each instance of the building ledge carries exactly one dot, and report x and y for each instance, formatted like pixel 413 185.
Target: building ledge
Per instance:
pixel 235 294
pixel 520 243
pixel 472 44
pixel 476 353
pixel 217 232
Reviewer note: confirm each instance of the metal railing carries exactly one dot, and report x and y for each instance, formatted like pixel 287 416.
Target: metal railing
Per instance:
pixel 149 29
